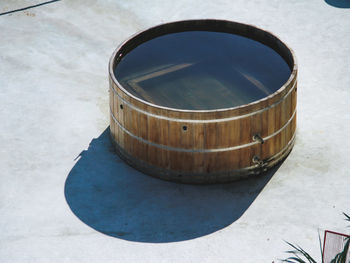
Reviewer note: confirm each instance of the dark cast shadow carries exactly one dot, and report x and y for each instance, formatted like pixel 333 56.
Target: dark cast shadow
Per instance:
pixel 117 200
pixel 339 3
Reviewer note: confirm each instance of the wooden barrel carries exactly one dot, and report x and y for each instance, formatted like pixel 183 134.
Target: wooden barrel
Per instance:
pixel 203 146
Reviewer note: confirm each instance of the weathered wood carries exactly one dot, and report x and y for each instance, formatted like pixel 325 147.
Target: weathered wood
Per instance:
pixel 203 146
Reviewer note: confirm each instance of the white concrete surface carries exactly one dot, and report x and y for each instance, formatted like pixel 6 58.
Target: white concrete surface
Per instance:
pixel 54 102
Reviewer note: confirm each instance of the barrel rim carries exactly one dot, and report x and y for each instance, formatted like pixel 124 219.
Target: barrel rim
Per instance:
pixel 287 84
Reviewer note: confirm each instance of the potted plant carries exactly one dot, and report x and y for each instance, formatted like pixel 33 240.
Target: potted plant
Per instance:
pixel 299 255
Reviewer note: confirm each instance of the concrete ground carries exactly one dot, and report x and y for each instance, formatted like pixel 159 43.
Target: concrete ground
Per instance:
pixel 62 200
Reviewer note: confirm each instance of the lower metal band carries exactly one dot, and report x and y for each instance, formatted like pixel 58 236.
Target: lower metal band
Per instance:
pixel 203 177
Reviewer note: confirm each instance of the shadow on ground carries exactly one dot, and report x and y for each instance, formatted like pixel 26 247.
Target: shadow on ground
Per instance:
pixel 339 3
pixel 115 199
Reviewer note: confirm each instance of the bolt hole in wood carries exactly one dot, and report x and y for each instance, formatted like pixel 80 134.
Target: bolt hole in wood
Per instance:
pixel 232 82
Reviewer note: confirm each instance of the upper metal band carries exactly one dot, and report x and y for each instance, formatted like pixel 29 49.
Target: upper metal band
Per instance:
pixel 202 121
pixel 166 147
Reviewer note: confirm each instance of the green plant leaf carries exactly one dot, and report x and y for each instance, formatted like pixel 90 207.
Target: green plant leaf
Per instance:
pixel 298 252
pixel 347 217
pixel 295 258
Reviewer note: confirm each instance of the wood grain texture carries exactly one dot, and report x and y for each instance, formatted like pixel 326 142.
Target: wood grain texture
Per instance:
pixel 204 146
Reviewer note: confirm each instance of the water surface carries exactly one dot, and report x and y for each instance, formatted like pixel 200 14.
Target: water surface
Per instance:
pixel 201 70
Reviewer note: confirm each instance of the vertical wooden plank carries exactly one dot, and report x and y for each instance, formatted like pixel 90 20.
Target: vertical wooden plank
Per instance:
pixel 128 146
pixel 223 161
pixel 289 113
pixel 222 135
pixel 133 121
pixel 116 116
pixel 153 134
pixel 278 139
pixel 245 137
pixel 294 124
pixel 256 124
pixel 174 138
pixel 181 161
pixel 265 133
pixel 132 125
pixel 186 161
pixel 111 110
pixel 143 126
pixel 163 140
pixel 245 131
pixel 198 144
pixel 143 133
pixel 265 123
pixel 284 119
pixel 210 135
pixel 256 129
pixel 186 136
pixel 174 161
pixel 245 155
pixel 209 162
pixel 127 143
pixel 294 97
pixel 174 133
pixel 198 136
pixel 278 125
pixel 234 133
pixel 294 108
pixel 271 129
pixel 234 160
pixel 119 115
pixel 186 142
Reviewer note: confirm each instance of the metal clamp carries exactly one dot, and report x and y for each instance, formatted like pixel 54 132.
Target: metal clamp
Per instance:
pixel 258 161
pixel 258 138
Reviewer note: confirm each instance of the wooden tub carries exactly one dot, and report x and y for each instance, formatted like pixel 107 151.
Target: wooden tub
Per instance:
pixel 203 146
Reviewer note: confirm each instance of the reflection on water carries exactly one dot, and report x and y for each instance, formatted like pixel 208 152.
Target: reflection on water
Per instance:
pixel 201 70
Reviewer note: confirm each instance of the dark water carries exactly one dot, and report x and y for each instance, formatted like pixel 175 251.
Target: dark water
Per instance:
pixel 200 70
